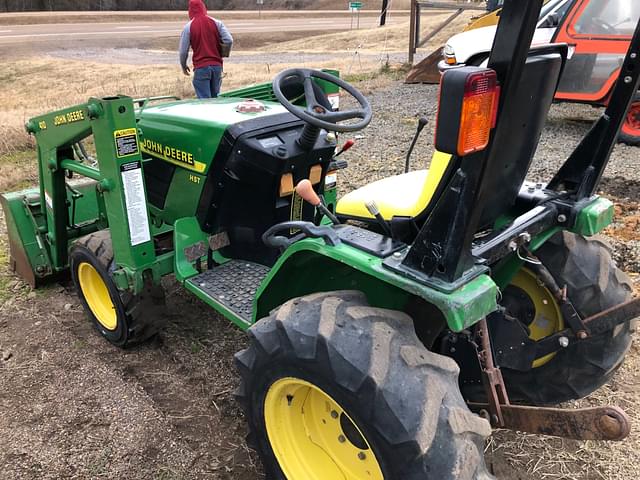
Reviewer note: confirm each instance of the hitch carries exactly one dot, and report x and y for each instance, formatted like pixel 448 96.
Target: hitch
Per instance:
pixel 516 351
pixel 491 377
pixel 569 313
pixel 594 423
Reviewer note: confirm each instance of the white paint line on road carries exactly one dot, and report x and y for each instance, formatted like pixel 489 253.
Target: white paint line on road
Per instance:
pixel 5 31
pixel 133 27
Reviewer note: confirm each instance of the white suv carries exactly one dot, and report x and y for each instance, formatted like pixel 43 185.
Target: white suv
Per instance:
pixel 473 47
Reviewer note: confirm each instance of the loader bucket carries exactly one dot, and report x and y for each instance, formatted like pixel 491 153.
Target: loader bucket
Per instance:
pixel 427 70
pixel 27 255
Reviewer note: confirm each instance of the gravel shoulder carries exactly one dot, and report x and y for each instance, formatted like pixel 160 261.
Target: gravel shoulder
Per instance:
pixel 72 406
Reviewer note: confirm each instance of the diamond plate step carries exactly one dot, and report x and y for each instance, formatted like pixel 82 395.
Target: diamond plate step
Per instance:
pixel 233 284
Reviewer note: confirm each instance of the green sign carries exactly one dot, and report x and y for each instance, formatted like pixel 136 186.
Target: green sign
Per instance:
pixel 355 5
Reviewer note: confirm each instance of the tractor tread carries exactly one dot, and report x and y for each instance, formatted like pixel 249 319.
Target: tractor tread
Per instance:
pixel 369 353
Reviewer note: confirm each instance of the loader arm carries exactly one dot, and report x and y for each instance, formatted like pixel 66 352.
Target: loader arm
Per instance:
pixel 115 195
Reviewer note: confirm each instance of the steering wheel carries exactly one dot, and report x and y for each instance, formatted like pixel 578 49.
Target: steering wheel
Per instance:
pixel 315 113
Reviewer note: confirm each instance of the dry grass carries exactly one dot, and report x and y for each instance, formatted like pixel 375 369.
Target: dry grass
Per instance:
pixel 379 40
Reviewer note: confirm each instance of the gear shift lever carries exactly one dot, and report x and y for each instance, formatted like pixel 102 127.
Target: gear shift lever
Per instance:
pixel 306 191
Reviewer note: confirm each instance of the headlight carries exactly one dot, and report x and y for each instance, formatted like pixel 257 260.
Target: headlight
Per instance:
pixel 449 55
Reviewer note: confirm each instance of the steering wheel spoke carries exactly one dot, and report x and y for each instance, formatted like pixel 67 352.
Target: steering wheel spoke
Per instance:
pixel 310 95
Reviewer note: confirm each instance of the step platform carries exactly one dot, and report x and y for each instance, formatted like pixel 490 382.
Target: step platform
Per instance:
pixel 233 285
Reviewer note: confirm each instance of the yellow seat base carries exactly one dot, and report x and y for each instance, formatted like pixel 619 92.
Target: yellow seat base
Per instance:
pixel 405 195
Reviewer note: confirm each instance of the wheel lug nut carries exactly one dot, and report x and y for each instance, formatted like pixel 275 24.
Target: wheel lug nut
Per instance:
pixel 362 456
pixel 341 439
pixel 334 414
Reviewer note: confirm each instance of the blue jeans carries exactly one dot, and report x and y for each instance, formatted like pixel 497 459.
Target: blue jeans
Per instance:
pixel 207 81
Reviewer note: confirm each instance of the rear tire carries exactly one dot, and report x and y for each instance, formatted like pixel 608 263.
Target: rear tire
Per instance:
pixel 630 133
pixel 119 316
pixel 594 283
pixel 403 408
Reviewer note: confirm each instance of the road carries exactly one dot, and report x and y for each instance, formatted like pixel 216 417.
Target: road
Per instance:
pixel 20 34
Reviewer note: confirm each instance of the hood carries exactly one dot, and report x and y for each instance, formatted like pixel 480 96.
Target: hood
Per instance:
pixel 473 42
pixel 196 8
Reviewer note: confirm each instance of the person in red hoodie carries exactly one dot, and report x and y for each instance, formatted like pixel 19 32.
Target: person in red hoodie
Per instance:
pixel 204 34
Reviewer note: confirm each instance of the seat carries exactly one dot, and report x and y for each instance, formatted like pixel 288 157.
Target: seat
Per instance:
pixel 406 195
pixel 516 138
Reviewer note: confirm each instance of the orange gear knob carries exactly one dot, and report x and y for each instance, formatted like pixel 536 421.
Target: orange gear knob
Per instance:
pixel 306 191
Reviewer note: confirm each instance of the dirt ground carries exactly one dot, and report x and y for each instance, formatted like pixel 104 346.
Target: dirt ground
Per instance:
pixel 72 406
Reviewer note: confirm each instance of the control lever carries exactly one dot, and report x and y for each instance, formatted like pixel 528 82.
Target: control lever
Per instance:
pixel 347 145
pixel 308 229
pixel 421 124
pixel 375 211
pixel 306 191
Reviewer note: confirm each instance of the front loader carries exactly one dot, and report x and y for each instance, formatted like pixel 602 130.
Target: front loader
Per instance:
pixel 390 329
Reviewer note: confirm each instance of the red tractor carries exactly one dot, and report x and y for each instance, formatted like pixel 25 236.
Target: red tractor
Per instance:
pixel 598 33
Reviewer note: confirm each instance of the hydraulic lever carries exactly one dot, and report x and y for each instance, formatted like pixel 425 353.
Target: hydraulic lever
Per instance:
pixel 373 209
pixel 347 145
pixel 421 124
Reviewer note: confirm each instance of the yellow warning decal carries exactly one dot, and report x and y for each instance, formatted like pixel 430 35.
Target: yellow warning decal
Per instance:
pixel 126 142
pixel 173 155
pixel 296 211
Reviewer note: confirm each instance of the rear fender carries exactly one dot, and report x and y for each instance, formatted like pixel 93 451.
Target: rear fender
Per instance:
pixel 310 266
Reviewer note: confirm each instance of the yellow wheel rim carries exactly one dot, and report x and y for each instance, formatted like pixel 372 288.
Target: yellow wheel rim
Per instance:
pixel 548 317
pixel 96 294
pixel 313 438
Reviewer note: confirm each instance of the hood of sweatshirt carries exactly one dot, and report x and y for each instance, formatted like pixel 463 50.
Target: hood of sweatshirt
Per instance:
pixel 197 8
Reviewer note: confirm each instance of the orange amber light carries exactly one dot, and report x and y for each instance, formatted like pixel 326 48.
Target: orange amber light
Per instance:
pixel 477 118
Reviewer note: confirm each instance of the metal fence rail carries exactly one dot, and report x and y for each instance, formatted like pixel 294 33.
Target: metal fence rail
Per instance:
pixel 417 9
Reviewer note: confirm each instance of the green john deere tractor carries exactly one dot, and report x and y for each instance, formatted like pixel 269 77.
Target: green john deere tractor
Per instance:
pixel 389 330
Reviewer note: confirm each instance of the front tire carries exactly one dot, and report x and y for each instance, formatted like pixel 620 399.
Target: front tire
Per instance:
pixel 334 388
pixel 122 318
